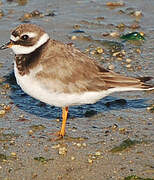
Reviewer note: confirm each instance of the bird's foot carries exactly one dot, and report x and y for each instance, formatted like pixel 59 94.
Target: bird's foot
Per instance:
pixel 59 135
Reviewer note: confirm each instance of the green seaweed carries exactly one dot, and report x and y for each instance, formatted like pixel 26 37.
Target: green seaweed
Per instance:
pixel 3 157
pixel 132 36
pixel 39 127
pixel 124 145
pixel 41 159
pixel 134 177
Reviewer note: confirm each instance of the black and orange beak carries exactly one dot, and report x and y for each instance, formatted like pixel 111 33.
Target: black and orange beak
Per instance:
pixel 7 45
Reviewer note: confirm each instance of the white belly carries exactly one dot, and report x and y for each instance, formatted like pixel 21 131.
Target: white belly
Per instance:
pixel 34 88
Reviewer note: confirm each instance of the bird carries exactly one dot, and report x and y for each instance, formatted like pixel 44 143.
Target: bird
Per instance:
pixel 61 75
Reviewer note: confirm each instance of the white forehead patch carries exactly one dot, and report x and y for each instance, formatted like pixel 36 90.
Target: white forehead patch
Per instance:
pixel 18 49
pixel 30 34
pixel 13 38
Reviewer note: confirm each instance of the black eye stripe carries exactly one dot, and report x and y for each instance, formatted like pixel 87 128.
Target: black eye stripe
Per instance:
pixel 25 37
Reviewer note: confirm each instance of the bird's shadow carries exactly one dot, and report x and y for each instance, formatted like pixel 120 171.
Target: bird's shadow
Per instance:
pixel 40 109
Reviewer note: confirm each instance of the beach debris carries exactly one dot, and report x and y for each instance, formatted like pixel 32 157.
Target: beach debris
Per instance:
pixel 133 36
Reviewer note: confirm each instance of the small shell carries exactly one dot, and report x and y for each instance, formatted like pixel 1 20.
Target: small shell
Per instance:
pixel 62 150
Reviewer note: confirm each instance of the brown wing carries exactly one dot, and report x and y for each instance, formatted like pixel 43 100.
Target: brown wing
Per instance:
pixel 66 69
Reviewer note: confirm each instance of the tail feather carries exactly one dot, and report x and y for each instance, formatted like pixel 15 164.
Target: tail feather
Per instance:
pixel 119 81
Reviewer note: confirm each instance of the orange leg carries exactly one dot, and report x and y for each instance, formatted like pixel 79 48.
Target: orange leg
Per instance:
pixel 64 119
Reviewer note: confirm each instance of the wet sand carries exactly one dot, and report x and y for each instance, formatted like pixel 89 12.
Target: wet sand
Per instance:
pixel 27 147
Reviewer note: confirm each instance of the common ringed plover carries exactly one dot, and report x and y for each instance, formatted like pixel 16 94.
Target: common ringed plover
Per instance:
pixel 59 74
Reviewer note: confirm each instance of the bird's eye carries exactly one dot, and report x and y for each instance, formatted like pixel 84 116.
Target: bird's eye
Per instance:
pixel 24 37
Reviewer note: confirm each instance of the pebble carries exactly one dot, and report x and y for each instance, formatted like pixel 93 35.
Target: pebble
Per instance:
pixel 114 34
pixel 78 145
pixel 150 108
pixel 98 153
pixel 46 148
pixel 2 112
pixel 84 145
pixel 115 54
pixel 122 130
pixel 119 58
pixel 72 158
pixel 12 142
pixel 3 93
pixel 6 86
pixel 1 13
pixel 123 52
pixel 138 13
pixel 7 107
pixel 135 26
pixel 76 26
pixel 62 150
pixel 1 79
pixel 111 67
pixel 115 3
pixel 128 60
pixel 121 26
pixel 30 132
pixel 56 146
pixel 99 50
pixel 128 66
pixel 73 37
pixel 138 51
pixel 13 154
pixel 90 161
